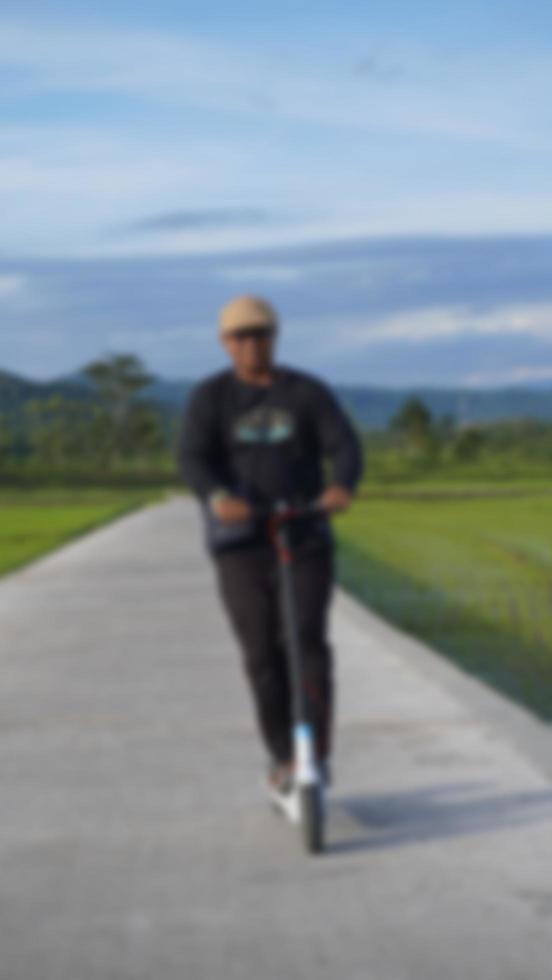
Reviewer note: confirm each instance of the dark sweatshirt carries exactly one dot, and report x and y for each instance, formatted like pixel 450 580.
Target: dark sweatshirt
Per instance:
pixel 267 442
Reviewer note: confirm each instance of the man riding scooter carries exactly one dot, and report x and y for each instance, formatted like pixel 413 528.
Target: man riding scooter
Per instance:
pixel 252 434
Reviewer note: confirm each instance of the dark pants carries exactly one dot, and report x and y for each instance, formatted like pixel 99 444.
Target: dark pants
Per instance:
pixel 248 584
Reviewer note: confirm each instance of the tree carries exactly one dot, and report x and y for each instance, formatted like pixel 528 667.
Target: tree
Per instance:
pixel 145 429
pixel 445 426
pixel 413 417
pixel 6 442
pixel 57 430
pixel 468 443
pixel 117 378
pixel 413 420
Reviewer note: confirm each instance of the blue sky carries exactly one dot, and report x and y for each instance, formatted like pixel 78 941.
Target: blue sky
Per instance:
pixel 381 175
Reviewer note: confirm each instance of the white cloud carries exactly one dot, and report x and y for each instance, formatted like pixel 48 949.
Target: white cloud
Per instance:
pixel 74 182
pixel 33 337
pixel 11 285
pixel 467 214
pixel 147 338
pixel 264 273
pixel 187 69
pixel 515 375
pixel 432 323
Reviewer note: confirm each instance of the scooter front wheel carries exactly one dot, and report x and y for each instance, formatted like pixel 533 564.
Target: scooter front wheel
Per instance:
pixel 312 817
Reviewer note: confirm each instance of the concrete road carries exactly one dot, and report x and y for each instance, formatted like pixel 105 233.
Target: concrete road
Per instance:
pixel 135 843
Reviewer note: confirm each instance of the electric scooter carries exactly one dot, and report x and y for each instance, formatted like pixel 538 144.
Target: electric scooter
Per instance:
pixel 307 776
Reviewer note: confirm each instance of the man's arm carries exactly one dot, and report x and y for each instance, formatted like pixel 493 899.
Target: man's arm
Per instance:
pixel 338 439
pixel 198 446
pixel 199 459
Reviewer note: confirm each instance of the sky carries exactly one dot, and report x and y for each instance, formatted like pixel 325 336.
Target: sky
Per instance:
pixel 381 175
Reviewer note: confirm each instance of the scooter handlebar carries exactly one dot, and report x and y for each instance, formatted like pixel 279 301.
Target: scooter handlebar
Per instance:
pixel 285 510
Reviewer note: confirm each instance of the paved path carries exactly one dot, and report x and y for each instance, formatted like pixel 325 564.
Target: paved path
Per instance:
pixel 134 841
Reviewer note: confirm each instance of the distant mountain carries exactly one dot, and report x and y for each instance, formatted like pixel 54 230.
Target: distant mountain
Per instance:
pixel 15 390
pixel 161 390
pixel 169 392
pixel 371 407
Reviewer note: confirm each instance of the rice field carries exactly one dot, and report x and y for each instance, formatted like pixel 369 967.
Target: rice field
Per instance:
pixel 33 522
pixel 470 575
pixel 468 570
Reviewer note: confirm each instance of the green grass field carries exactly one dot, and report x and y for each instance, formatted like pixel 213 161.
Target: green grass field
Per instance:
pixel 35 521
pixel 470 574
pixel 466 567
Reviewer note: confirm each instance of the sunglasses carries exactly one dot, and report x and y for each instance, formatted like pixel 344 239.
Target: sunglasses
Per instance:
pixel 256 333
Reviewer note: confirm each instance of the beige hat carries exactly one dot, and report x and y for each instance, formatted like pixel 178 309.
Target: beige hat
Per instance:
pixel 246 311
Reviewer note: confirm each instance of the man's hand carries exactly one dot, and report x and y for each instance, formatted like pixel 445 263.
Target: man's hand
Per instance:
pixel 335 498
pixel 230 509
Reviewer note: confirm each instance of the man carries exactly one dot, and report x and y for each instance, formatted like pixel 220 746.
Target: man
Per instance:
pixel 255 433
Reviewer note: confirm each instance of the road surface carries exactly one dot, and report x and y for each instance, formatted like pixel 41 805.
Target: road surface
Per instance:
pixel 135 843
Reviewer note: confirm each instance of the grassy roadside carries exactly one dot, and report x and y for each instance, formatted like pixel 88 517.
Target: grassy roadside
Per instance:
pixel 35 521
pixel 471 575
pixel 466 567
pixel 450 488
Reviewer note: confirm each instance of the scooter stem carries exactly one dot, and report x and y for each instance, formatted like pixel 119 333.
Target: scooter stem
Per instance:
pixel 303 740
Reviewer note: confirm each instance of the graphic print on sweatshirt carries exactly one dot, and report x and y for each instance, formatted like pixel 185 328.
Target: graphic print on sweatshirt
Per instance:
pixel 264 424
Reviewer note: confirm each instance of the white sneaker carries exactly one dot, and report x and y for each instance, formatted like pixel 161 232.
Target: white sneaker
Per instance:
pixel 282 790
pixel 287 803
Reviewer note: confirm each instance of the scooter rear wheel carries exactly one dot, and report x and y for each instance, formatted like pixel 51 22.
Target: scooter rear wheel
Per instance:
pixel 312 817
